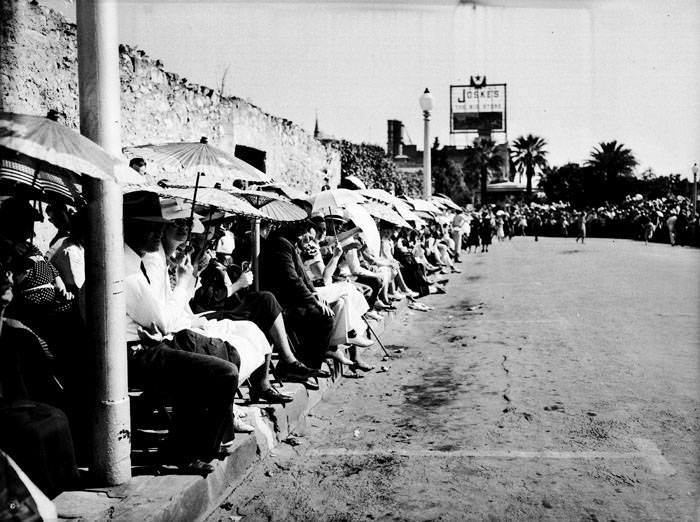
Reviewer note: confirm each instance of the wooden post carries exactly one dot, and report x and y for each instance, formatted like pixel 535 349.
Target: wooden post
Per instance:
pixel 98 80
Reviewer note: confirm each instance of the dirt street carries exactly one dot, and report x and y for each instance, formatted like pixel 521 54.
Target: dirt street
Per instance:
pixel 554 381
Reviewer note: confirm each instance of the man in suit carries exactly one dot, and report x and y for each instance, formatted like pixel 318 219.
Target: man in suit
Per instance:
pixel 282 273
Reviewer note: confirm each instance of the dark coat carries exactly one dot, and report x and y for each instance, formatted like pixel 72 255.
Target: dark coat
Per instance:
pixel 282 273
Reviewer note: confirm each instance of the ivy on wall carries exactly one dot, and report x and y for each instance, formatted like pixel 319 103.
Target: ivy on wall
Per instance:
pixel 370 164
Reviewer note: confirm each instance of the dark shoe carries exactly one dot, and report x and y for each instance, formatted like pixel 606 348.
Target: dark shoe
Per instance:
pixel 270 396
pixel 197 467
pixel 293 370
pixel 318 372
pixel 311 384
pixel 359 365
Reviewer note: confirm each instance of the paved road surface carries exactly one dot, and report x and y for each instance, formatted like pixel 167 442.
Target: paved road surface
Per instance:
pixel 554 381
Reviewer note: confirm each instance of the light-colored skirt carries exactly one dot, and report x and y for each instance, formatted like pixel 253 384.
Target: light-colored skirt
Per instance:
pixel 250 343
pixel 349 305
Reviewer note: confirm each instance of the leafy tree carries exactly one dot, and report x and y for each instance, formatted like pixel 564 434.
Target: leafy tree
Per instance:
pixel 574 184
pixel 614 161
pixel 529 156
pixel 482 160
pixel 448 179
pixel 370 164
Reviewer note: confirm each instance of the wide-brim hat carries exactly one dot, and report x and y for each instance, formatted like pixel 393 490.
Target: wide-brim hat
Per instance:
pixel 147 206
pixel 144 206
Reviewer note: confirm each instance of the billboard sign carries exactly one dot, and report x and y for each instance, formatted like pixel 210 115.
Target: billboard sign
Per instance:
pixel 478 108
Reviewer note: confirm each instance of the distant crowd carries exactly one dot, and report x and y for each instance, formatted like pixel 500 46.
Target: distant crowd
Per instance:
pixel 665 220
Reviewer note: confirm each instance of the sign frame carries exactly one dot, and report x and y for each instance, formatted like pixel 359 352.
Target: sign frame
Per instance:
pixel 504 128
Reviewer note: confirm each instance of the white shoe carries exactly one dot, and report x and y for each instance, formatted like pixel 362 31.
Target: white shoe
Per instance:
pixel 338 356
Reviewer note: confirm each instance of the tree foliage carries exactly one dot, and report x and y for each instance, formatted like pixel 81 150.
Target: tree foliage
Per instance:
pixel 529 157
pixel 584 186
pixel 613 161
pixel 370 164
pixel 448 179
pixel 482 161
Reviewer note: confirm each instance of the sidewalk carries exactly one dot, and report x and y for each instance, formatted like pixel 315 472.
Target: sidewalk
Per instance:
pixel 186 497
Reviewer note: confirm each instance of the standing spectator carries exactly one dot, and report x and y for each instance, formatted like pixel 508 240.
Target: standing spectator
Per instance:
pixel 536 225
pixel 486 232
pixel 457 230
pixel 581 227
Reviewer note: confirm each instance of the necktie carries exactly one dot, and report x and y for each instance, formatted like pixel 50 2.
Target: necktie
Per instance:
pixel 143 271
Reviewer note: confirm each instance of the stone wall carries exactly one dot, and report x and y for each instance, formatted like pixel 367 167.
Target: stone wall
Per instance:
pixel 38 72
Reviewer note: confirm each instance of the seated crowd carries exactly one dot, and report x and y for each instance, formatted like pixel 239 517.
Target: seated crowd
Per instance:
pixel 196 330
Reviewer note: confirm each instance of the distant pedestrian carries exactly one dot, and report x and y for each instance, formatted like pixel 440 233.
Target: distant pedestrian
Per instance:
pixel 522 223
pixel 671 225
pixel 536 226
pixel 457 230
pixel 648 227
pixel 500 233
pixel 474 232
pixel 486 232
pixel 581 227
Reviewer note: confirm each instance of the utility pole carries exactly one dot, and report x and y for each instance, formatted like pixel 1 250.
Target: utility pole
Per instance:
pixel 100 120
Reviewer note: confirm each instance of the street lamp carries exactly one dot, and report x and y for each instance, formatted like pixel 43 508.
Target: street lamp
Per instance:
pixel 695 190
pixel 427 102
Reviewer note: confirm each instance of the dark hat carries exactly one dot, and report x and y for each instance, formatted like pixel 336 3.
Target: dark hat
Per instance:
pixel 144 206
pixel 14 210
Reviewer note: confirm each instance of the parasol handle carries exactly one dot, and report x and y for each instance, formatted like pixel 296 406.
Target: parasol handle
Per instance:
pixel 255 252
pixel 335 235
pixel 194 200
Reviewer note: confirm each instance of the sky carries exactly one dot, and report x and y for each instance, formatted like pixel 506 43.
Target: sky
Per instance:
pixel 577 72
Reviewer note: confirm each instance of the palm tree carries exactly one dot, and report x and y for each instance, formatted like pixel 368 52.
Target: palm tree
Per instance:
pixel 529 156
pixel 613 160
pixel 482 159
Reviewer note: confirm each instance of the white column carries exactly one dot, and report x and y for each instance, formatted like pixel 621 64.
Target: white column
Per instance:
pixel 98 78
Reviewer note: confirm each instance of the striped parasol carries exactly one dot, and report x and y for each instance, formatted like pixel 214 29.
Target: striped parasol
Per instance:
pixel 58 150
pixel 25 176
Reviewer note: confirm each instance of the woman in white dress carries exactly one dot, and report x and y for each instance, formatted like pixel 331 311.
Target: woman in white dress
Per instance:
pixel 250 342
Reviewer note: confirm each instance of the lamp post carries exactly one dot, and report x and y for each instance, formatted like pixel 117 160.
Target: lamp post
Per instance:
pixel 427 102
pixel 695 190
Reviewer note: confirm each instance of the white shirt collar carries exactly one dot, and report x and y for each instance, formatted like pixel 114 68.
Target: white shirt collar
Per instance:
pixel 132 261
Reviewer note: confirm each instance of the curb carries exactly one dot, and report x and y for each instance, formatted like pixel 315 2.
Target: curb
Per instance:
pixel 173 498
